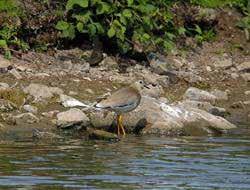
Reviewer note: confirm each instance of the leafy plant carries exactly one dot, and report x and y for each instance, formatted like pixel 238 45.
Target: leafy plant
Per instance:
pixel 203 35
pixel 127 24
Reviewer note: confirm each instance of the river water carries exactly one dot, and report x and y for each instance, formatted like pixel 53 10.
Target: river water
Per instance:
pixel 133 163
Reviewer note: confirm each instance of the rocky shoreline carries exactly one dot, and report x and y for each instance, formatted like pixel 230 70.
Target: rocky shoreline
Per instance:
pixel 46 95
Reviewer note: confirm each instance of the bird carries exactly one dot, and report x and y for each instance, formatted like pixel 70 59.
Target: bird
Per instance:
pixel 122 101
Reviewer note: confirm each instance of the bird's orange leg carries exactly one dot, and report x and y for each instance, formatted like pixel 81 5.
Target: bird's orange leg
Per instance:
pixel 120 125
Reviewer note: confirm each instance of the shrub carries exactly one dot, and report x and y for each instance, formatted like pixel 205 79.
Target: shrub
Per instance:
pixel 129 24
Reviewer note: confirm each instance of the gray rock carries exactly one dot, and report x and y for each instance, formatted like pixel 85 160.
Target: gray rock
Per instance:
pixel 4 86
pixel 102 135
pixel 193 93
pixel 70 102
pixel 41 92
pixel 247 92
pixel 50 114
pixel 5 65
pixel 109 62
pixel 7 106
pixel 16 74
pixel 41 135
pixel 246 76
pixel 30 108
pixel 206 106
pixel 26 118
pixel 160 64
pixel 155 117
pixel 220 95
pixel 244 67
pixel 224 63
pixel 235 75
pixel 101 119
pixel 72 117
pixel 190 77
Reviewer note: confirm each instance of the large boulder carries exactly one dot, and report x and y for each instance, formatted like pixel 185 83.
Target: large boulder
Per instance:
pixel 156 117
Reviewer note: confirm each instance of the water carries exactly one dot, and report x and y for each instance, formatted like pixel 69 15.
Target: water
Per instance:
pixel 134 163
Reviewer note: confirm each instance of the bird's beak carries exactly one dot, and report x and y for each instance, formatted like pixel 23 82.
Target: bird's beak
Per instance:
pixel 146 86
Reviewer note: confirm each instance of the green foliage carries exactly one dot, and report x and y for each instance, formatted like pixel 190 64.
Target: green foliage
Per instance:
pixel 124 23
pixel 203 35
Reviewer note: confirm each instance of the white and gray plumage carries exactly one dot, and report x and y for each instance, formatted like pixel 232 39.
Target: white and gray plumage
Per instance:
pixel 124 100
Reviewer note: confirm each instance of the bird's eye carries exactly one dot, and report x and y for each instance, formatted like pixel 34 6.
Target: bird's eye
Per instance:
pixel 140 82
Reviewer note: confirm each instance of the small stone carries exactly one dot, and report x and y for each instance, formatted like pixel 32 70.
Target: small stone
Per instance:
pixel 220 95
pixel 5 65
pixel 16 74
pixel 224 63
pixel 237 105
pixel 247 92
pixel 109 62
pixel 235 75
pixel 246 76
pixel 4 86
pixel 45 135
pixel 246 103
pixel 244 67
pixel 101 135
pixel 42 92
pixel 72 93
pixel 90 91
pixel 68 101
pixel 26 118
pixel 208 68
pixel 193 93
pixel 71 118
pixel 7 106
pixel 30 108
pixel 50 114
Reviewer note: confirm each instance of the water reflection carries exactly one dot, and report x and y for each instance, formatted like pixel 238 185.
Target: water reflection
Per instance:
pixel 133 163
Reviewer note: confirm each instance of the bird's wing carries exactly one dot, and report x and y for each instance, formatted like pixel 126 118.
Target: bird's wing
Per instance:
pixel 120 98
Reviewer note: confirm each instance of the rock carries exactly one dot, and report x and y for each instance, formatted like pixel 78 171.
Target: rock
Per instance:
pixel 237 105
pixel 152 91
pixel 7 106
pixel 26 118
pixel 220 95
pixel 68 101
pixel 171 120
pixel 235 75
pixel 4 86
pixel 45 135
pixel 247 92
pixel 206 106
pixel 16 74
pixel 101 135
pixel 244 67
pixel 72 117
pixel 5 65
pixel 193 93
pixel 101 119
pixel 8 118
pixel 73 93
pixel 166 128
pixel 224 63
pixel 207 14
pixel 247 103
pixel 246 76
pixel 41 92
pixel 56 90
pixel 80 68
pixel 160 64
pixel 109 62
pixel 50 114
pixel 190 77
pixel 30 108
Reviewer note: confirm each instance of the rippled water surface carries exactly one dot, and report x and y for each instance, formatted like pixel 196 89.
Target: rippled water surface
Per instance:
pixel 133 163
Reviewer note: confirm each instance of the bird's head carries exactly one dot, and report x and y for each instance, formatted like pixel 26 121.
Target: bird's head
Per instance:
pixel 139 85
